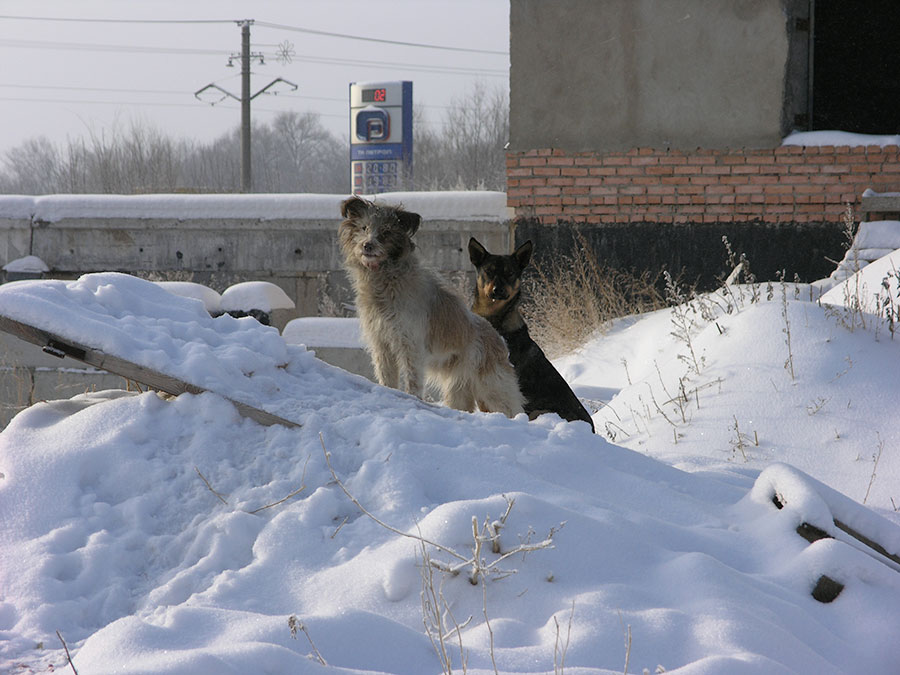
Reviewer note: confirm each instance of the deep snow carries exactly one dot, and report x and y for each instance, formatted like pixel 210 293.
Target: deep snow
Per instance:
pixel 132 524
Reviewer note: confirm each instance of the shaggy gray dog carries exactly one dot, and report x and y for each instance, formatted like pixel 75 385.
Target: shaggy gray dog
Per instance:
pixel 415 326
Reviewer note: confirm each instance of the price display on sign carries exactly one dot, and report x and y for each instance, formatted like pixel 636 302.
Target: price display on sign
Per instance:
pixel 374 95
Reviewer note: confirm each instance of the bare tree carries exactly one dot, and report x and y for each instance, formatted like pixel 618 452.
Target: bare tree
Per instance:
pixel 468 153
pixel 294 153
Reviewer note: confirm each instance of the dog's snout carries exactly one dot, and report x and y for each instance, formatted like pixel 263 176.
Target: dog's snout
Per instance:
pixel 368 247
pixel 498 292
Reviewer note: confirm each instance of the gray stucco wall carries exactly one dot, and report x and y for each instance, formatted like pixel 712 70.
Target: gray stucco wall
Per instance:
pixel 615 74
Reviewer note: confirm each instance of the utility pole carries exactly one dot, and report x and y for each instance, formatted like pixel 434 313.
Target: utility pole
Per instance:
pixel 246 181
pixel 245 56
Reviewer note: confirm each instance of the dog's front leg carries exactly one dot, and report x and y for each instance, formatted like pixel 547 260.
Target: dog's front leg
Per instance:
pixel 411 364
pixel 385 364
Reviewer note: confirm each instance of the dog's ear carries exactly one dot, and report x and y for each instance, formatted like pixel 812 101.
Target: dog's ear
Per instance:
pixel 354 207
pixel 477 252
pixel 523 254
pixel 409 221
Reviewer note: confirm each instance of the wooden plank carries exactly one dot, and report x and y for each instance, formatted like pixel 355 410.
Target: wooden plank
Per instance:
pixel 60 346
pixel 879 203
pixel 812 534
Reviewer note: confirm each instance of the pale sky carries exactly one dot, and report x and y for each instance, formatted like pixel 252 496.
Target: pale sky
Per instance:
pixel 71 79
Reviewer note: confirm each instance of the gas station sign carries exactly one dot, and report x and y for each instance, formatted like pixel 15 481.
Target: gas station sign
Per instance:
pixel 380 136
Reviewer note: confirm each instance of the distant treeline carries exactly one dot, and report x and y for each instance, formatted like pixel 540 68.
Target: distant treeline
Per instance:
pixel 293 153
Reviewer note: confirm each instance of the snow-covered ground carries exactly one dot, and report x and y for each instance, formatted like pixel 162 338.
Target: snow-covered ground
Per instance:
pixel 174 536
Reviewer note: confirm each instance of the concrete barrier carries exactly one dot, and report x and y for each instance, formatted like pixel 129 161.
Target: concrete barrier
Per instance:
pixel 220 240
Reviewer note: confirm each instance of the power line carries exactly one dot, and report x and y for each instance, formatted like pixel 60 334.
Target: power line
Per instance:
pixel 83 20
pixel 299 97
pixel 144 49
pixel 267 24
pixel 96 47
pixel 311 31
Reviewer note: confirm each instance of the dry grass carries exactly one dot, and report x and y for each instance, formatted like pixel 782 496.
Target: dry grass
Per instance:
pixel 569 298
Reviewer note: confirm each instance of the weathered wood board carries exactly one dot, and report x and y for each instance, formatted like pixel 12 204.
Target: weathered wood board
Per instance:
pixel 61 346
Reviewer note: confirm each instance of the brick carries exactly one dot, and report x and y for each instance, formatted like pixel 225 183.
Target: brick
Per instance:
pixel 704 180
pixel 545 171
pixel 761 159
pixel 673 159
pixel 533 161
pixel 745 169
pixel 741 180
pixel 561 161
pixel 589 180
pixel 616 160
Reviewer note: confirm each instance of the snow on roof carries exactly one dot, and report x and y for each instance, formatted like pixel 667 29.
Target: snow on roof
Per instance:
pixel 838 138
pixel 460 205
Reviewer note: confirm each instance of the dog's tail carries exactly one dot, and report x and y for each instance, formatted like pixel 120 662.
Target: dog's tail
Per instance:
pixel 496 386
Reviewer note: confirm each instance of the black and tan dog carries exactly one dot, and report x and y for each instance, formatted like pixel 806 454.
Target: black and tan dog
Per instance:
pixel 497 296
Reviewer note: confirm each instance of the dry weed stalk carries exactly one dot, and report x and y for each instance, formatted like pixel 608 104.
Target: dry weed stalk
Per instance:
pixel 875 458
pixel 296 625
pixel 479 567
pixel 437 615
pixel 568 298
pixel 560 648
pixel 68 656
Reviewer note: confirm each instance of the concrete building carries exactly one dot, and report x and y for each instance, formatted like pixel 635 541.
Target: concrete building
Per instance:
pixel 662 122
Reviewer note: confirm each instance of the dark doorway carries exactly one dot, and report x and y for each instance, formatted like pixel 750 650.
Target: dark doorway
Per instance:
pixel 856 66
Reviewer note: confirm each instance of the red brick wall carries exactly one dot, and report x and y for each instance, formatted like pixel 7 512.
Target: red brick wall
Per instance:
pixel 776 185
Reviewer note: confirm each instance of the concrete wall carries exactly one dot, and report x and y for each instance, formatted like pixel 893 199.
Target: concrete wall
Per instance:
pixel 604 75
pixel 220 240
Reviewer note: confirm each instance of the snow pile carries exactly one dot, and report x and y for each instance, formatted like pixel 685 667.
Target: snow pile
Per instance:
pixel 323 331
pixel 873 241
pixel 873 288
pixel 211 299
pixel 177 537
pixel 29 264
pixel 262 295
